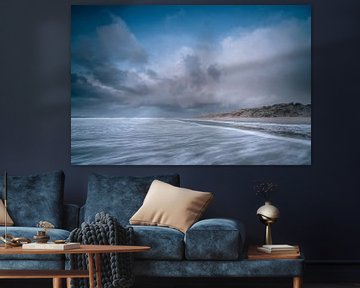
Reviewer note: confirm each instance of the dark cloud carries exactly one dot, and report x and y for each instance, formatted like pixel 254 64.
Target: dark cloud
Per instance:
pixel 119 44
pixel 113 77
pixel 214 72
pixel 86 98
pixel 110 76
pixel 97 80
pixel 152 74
pixel 81 88
pixel 195 75
pixel 111 44
pixel 120 80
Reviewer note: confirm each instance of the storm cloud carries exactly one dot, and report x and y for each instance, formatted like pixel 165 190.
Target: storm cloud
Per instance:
pixel 117 73
pixel 109 44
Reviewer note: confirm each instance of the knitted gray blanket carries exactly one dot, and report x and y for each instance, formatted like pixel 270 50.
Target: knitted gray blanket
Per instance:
pixel 116 268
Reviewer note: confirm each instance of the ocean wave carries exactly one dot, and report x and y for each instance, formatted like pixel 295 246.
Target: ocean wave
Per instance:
pixel 299 131
pixel 137 141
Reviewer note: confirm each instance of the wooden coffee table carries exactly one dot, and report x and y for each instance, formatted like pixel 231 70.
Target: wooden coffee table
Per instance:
pixel 92 251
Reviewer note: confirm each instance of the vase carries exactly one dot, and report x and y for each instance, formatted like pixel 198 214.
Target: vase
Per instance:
pixel 268 214
pixel 41 237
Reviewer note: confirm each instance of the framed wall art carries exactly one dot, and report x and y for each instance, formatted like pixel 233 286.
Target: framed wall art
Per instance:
pixel 191 85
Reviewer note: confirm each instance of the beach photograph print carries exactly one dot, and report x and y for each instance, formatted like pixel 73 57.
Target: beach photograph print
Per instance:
pixel 191 85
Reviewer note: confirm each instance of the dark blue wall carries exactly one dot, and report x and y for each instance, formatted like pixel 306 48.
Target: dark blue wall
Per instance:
pixel 318 203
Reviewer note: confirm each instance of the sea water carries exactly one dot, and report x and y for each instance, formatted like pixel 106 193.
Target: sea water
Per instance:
pixel 154 141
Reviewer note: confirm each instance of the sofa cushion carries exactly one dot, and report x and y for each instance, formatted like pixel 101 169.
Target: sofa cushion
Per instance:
pixel 214 239
pixel 169 206
pixel 39 264
pixel 120 196
pixel 35 198
pixel 165 243
pixel 9 221
pixel 214 269
pixel 29 232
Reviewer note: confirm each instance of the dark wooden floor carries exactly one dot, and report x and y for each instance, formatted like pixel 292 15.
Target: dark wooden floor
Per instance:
pixel 247 284
pixel 338 285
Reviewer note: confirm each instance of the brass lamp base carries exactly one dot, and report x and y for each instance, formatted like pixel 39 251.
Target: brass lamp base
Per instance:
pixel 268 238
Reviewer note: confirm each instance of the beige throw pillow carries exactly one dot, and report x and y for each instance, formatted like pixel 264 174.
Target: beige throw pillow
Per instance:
pixel 170 206
pixel 9 221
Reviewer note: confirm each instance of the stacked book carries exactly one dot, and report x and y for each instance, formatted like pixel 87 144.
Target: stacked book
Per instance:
pixel 51 246
pixel 279 249
pixel 273 252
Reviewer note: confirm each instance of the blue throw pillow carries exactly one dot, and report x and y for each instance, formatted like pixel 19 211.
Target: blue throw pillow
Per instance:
pixel 120 196
pixel 35 198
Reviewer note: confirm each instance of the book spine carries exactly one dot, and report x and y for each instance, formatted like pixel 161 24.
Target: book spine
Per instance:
pixel 50 246
pixel 264 250
pixel 261 249
pixel 41 247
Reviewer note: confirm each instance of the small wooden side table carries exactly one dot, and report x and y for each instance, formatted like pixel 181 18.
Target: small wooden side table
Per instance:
pixel 57 275
pixel 254 254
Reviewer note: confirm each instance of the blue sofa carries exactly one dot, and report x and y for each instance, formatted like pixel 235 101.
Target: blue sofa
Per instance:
pixel 32 199
pixel 210 248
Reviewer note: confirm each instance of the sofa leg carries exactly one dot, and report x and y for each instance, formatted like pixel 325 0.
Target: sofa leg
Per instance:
pixel 297 282
pixel 57 283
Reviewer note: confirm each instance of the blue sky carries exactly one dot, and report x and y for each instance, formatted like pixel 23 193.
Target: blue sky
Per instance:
pixel 186 61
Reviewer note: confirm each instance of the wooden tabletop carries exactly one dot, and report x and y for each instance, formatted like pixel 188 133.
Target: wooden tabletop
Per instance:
pixel 254 254
pixel 92 249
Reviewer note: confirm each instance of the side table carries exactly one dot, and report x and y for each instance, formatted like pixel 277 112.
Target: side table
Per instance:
pixel 93 251
pixel 289 259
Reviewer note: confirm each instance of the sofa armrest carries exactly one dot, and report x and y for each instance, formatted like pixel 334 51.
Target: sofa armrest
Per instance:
pixel 82 214
pixel 215 239
pixel 71 216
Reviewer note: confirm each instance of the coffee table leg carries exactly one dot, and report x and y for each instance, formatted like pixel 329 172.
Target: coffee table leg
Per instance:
pixel 57 283
pixel 98 270
pixel 297 282
pixel 68 282
pixel 91 270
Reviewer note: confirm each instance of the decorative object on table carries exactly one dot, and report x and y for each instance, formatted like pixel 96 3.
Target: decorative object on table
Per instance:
pixel 255 254
pixel 41 236
pixel 278 249
pixel 11 241
pixel 268 213
pixel 45 225
pixel 51 246
pixel 60 241
pixel 116 268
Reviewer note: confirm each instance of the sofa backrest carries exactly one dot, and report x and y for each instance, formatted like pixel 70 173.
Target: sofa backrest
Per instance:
pixel 70 219
pixel 120 196
pixel 35 198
